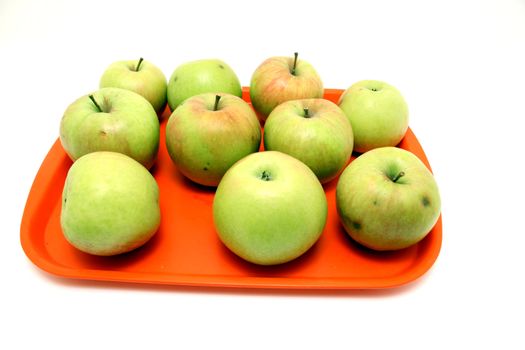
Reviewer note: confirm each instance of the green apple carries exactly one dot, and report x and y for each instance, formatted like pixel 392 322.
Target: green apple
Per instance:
pixel 139 76
pixel 315 131
pixel 269 208
pixel 111 119
pixel 201 76
pixel 387 199
pixel 378 114
pixel 208 133
pixel 280 79
pixel 110 204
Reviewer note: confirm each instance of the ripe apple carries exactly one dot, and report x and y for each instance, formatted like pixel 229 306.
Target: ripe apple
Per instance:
pixel 111 119
pixel 387 199
pixel 209 132
pixel 269 208
pixel 110 204
pixel 315 131
pixel 378 114
pixel 201 76
pixel 139 76
pixel 280 79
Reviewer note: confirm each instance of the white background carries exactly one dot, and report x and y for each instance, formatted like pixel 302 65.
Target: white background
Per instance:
pixel 461 68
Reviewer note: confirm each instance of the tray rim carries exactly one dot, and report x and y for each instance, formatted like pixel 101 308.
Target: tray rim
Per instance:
pixel 45 175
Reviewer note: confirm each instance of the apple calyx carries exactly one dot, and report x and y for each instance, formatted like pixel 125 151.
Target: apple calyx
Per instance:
pixel 265 176
pixel 216 105
pixel 398 176
pixel 95 103
pixel 138 64
pixel 294 62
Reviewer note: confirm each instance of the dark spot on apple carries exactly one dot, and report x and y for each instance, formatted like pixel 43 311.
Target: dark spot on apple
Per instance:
pixel 175 78
pixel 103 133
pixel 425 201
pixel 373 89
pixel 205 168
pixel 221 66
pixel 356 225
pixel 375 202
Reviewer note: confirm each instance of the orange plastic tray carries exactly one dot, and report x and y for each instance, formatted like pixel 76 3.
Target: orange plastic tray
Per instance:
pixel 186 250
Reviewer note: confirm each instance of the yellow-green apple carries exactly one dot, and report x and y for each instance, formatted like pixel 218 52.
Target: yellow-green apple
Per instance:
pixel 387 199
pixel 280 79
pixel 315 131
pixel 201 76
pixel 111 119
pixel 269 208
pixel 139 76
pixel 208 133
pixel 110 204
pixel 378 114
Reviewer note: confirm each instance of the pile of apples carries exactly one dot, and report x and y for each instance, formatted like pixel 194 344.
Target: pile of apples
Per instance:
pixel 269 206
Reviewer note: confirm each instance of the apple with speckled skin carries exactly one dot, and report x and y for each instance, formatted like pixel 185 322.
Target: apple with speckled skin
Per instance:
pixel 111 119
pixel 269 208
pixel 208 133
pixel 280 79
pixel 110 204
pixel 387 199
pixel 315 131
pixel 202 76
pixel 139 76
pixel 378 114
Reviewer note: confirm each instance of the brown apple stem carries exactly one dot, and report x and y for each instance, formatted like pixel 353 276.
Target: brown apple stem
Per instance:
pixel 138 64
pixel 398 176
pixel 217 98
pixel 95 103
pixel 294 62
pixel 306 115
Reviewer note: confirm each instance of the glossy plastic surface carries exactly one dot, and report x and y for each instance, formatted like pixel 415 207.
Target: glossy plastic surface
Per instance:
pixel 186 249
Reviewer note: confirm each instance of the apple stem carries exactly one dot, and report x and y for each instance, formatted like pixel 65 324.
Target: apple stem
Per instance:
pixel 217 98
pixel 306 115
pixel 294 62
pixel 95 103
pixel 398 176
pixel 138 64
